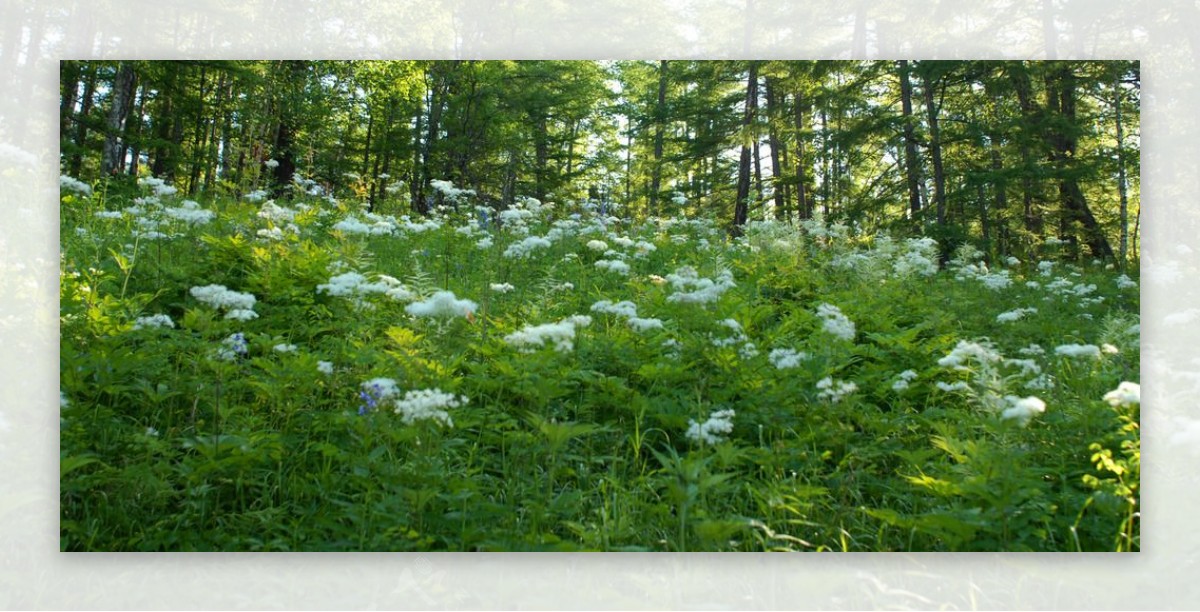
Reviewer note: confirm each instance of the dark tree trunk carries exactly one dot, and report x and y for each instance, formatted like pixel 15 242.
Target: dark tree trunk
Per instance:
pixel 69 73
pixel 777 153
pixel 659 121
pixel 1121 184
pixel 1061 86
pixel 741 205
pixel 81 120
pixel 285 134
pixel 541 148
pixel 803 208
pixel 135 133
pixel 912 164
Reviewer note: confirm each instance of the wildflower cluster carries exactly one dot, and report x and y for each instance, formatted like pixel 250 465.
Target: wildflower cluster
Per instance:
pixel 428 404
pixel 237 305
pixel 785 358
pixel 713 430
pixel 561 334
pixel 834 390
pixel 835 323
pixel 691 288
pixel 628 311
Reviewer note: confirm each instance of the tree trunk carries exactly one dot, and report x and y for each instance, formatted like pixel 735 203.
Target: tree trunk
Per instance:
pixel 659 121
pixel 912 164
pixel 741 205
pixel 69 73
pixel 935 149
pixel 81 120
pixel 135 132
pixel 1031 120
pixel 285 135
pixel 803 209
pixel 776 150
pixel 122 96
pixel 1121 185
pixel 1061 81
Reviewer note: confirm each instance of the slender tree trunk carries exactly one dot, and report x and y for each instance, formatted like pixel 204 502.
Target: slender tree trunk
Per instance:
pixel 803 209
pixel 213 140
pixel 366 162
pixel 135 132
pixel 436 104
pixel 122 95
pixel 198 142
pixel 827 155
pixel 1031 125
pixel 541 151
pixel 777 153
pixel 935 150
pixel 659 127
pixel 758 181
pixel 415 189
pixel 912 164
pixel 571 149
pixel 1121 185
pixel 81 120
pixel 741 206
pixel 629 165
pixel 69 73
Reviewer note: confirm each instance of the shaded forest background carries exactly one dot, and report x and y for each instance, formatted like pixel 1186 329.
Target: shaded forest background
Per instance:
pixel 1005 154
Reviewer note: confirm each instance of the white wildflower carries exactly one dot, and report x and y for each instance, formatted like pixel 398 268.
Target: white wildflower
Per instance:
pixel 836 323
pixel 441 304
pixel 325 367
pixel 1013 315
pixel 1126 394
pixel 428 404
pixel 613 265
pixel 526 247
pixel 73 184
pixel 833 390
pixel 561 334
pixel 1023 409
pixel 713 430
pixel 1078 350
pixel 785 358
pixel 153 321
pixel 902 380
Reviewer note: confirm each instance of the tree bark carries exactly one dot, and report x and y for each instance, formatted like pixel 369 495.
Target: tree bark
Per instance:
pixel 912 164
pixel 935 149
pixel 1061 86
pixel 1121 184
pixel 803 208
pixel 659 121
pixel 81 136
pixel 741 206
pixel 122 94
pixel 776 150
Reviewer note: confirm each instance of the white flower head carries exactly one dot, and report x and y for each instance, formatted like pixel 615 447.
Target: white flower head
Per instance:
pixel 1022 409
pixel 713 430
pixel 442 304
pixel 1126 394
pixel 836 323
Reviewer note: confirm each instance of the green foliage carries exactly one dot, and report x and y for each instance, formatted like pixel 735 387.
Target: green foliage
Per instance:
pixel 173 440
